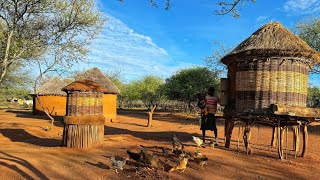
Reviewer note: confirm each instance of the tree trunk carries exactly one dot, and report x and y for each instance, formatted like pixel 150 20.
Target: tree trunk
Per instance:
pixel 40 103
pixel 5 63
pixel 45 111
pixel 150 113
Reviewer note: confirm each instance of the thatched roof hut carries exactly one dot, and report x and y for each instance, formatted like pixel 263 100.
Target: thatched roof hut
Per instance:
pixel 52 87
pixel 269 67
pixel 51 97
pixel 95 75
pixel 272 40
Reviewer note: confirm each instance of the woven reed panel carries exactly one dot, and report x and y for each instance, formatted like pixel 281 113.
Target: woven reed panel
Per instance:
pixel 258 84
pixel 232 84
pixel 84 103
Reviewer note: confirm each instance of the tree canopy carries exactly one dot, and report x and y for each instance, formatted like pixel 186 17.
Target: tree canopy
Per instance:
pixel 309 31
pixel 55 31
pixel 187 83
pixel 146 90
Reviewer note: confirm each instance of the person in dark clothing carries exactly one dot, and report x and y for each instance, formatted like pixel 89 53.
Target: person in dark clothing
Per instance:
pixel 209 120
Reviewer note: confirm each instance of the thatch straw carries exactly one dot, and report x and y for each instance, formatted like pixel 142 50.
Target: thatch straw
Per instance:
pixel 97 76
pixel 84 85
pixel 273 40
pixel 52 87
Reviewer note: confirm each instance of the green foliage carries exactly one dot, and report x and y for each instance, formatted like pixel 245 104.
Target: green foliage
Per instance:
pixel 186 83
pixel 213 62
pixel 19 79
pixel 313 98
pixel 146 90
pixel 52 32
pixel 309 31
pixel 6 94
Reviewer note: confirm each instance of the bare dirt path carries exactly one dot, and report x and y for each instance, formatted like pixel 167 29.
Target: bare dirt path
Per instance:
pixel 27 151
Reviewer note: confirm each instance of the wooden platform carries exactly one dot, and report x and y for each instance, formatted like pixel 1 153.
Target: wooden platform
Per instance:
pixel 280 118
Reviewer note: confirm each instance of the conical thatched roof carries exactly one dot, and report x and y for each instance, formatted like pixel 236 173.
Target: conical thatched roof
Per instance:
pixel 52 87
pixel 272 40
pixel 84 85
pixel 97 76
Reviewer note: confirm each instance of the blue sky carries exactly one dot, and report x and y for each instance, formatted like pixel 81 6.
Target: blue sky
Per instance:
pixel 139 39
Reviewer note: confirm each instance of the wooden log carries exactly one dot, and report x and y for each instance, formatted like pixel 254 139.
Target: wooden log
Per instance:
pixel 279 109
pixel 296 139
pixel 282 140
pixel 274 137
pixel 305 140
pixel 82 136
pixel 246 139
pixel 229 125
pixel 280 152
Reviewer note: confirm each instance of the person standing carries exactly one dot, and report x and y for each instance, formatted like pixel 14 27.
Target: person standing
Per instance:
pixel 210 121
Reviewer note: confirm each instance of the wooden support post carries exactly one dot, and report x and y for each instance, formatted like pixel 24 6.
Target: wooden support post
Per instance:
pixel 305 140
pixel 246 138
pixel 286 142
pixel 274 137
pixel 238 138
pixel 229 124
pixel 296 140
pixel 280 152
pixel 258 135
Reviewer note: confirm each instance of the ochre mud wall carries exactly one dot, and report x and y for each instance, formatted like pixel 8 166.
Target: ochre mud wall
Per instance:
pixel 55 105
pixel 110 107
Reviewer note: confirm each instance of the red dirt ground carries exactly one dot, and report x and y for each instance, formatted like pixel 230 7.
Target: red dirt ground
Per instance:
pixel 27 151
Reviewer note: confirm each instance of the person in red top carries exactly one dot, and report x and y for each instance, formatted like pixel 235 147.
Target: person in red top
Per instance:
pixel 209 123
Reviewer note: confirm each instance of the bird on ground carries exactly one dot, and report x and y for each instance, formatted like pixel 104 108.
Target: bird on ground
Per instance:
pixel 197 154
pixel 176 144
pixel 198 141
pixel 133 155
pixel 200 159
pixel 181 166
pixel 149 159
pixel 118 164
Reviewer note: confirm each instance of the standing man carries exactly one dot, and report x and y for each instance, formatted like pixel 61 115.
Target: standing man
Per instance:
pixel 210 123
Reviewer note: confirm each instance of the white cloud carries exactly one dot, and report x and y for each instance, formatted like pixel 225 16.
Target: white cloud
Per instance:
pixel 120 47
pixel 261 18
pixel 302 6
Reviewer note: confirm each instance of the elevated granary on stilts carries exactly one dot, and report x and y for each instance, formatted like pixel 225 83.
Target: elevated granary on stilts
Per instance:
pixel 84 122
pixel 109 97
pixel 269 67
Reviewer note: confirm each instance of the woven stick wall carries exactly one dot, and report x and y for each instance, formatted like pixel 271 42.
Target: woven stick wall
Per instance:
pixel 84 122
pixel 269 67
pixel 263 82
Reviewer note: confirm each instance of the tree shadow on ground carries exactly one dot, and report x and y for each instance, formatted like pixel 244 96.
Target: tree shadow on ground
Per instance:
pixel 161 116
pixel 29 114
pixel 20 135
pixel 99 165
pixel 11 162
pixel 163 136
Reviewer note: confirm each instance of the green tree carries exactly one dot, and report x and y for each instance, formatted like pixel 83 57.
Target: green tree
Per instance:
pixel 187 83
pixel 51 32
pixel 313 98
pixel 146 89
pixel 309 31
